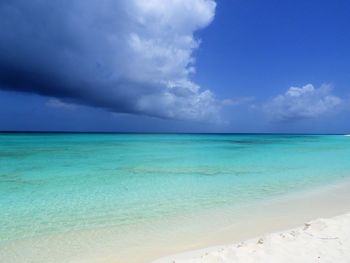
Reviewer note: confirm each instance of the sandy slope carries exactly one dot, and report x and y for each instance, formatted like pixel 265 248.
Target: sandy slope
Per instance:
pixel 321 240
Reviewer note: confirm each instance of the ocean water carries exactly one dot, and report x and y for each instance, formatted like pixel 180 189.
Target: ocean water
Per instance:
pixel 55 184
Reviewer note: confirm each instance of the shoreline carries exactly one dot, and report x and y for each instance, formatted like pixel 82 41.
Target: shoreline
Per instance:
pixel 325 203
pixel 319 240
pixel 218 227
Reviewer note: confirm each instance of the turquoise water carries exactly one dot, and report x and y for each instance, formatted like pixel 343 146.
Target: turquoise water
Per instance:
pixel 56 183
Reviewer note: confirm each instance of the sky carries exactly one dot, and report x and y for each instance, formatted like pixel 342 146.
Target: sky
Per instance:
pixel 245 66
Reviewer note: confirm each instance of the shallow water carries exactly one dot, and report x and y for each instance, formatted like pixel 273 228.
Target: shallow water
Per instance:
pixel 54 184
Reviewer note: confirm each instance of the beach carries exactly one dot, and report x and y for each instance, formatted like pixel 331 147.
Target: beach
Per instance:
pixel 321 240
pixel 191 235
pixel 312 227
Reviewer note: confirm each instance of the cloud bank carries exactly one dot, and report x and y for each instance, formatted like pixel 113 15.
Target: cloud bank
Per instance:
pixel 302 102
pixel 126 56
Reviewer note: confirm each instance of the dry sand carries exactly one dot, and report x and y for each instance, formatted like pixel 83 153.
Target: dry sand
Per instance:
pixel 321 240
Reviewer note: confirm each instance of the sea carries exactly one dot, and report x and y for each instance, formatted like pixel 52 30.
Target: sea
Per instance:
pixel 80 197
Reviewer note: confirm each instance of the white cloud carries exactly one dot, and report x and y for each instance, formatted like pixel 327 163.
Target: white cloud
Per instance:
pixel 160 52
pixel 303 102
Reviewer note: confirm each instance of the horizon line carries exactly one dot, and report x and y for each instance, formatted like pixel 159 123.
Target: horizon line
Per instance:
pixel 194 133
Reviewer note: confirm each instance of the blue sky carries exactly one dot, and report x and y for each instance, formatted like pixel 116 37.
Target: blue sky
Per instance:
pixel 175 66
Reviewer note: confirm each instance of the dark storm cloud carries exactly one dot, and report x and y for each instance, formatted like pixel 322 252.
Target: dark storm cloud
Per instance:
pixel 124 56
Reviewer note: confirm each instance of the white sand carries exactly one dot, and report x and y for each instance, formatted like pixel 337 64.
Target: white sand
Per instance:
pixel 321 240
